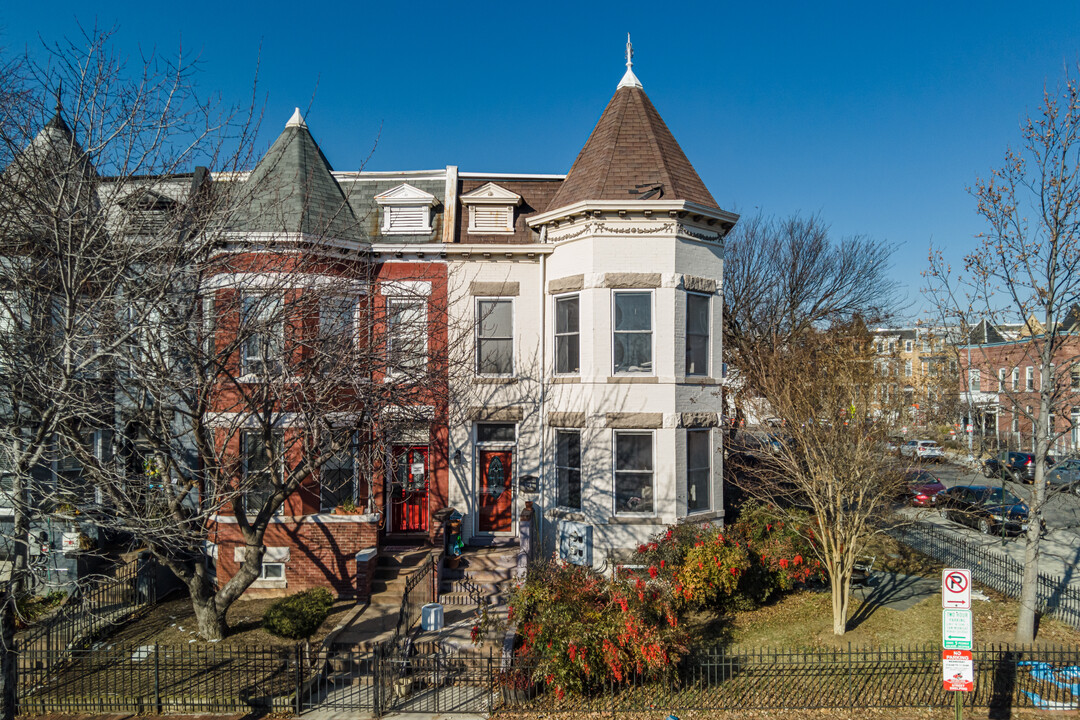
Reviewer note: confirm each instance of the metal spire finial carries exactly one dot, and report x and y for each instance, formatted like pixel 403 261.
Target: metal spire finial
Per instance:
pixel 629 79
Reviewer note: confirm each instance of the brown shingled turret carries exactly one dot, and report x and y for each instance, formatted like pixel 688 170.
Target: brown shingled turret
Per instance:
pixel 631 155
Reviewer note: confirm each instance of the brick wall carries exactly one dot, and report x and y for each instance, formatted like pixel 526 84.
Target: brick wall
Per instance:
pixel 322 553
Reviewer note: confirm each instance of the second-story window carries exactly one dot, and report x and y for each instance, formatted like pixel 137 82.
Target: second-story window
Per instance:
pixel 1015 379
pixel 1002 373
pixel 406 335
pixel 264 334
pixel 494 337
pixel 1029 379
pixel 907 346
pixel 974 380
pixel 262 469
pixel 567 335
pixel 632 334
pixel 907 368
pixel 697 334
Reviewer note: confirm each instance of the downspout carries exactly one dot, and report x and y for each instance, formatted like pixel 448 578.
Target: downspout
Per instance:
pixel 538 521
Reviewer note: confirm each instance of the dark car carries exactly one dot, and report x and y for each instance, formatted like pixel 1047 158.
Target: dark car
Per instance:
pixel 922 487
pixel 985 508
pixel 1012 465
pixel 1065 476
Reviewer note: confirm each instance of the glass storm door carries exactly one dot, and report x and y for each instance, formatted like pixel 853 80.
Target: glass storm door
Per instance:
pixel 495 502
pixel 409 489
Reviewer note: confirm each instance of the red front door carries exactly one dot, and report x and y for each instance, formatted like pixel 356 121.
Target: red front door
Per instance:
pixel 409 489
pixel 496 495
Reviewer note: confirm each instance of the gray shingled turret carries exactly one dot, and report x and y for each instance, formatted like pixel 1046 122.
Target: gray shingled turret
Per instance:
pixel 293 189
pixel 56 172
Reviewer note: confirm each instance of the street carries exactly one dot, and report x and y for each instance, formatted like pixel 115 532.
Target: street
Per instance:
pixel 1060 548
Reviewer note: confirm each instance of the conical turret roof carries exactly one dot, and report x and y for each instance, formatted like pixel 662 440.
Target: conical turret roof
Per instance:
pixel 292 189
pixel 631 155
pixel 52 175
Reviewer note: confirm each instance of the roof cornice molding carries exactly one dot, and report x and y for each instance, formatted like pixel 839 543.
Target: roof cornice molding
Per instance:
pixel 460 250
pixel 406 194
pixel 588 208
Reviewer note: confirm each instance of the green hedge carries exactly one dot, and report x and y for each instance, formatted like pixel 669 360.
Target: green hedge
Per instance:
pixel 298 616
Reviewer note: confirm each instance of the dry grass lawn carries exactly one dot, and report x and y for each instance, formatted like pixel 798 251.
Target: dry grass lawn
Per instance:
pixel 173 623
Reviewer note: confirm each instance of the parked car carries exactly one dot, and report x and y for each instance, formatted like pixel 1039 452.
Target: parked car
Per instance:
pixel 922 450
pixel 985 508
pixel 893 443
pixel 1012 465
pixel 1065 476
pixel 922 487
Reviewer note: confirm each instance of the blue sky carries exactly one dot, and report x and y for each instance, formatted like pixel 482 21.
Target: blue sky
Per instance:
pixel 877 116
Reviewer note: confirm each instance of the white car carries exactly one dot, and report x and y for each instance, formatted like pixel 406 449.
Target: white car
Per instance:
pixel 922 450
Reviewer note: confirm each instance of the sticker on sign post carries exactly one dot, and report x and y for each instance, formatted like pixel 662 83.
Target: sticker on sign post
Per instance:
pixel 956 629
pixel 958 670
pixel 956 589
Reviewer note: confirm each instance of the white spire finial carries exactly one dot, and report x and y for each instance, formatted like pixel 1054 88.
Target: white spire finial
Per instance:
pixel 629 79
pixel 297 120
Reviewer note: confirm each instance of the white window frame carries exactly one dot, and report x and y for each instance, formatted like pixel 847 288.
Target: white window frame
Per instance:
pixel 420 344
pixel 565 335
pixel 476 335
pixel 708 336
pixel 708 469
pixel 558 467
pixel 247 360
pixel 614 470
pixel 1002 374
pixel 263 574
pixel 651 331
pixel 1029 379
pixel 276 436
pixel 908 370
pixel 353 451
pixel 1016 379
pixel 908 346
pixel 974 380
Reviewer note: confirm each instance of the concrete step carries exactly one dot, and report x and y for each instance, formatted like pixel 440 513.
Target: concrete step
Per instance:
pixel 491 575
pixel 404 559
pixel 472 562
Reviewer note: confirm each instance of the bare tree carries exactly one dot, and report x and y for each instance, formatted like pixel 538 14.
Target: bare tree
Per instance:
pixel 784 277
pixel 828 460
pixel 1026 268
pixel 76 136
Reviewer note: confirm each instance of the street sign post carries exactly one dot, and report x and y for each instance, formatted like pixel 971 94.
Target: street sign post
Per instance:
pixel 958 671
pixel 956 589
pixel 956 629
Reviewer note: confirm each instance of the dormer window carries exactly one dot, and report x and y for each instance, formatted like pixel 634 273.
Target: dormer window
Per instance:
pixel 406 210
pixel 491 209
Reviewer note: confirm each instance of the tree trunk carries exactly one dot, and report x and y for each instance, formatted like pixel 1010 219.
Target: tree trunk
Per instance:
pixel 208 616
pixel 1029 591
pixel 839 586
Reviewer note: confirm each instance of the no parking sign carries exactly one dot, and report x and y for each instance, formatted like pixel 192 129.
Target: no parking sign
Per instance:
pixel 956 589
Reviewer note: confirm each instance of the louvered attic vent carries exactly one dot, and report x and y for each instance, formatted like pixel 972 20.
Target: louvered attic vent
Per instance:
pixel 491 209
pixel 491 219
pixel 407 219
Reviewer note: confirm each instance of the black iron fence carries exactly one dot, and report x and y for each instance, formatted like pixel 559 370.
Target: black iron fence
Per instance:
pixel 420 589
pixel 1057 597
pixel 157 679
pixel 95 606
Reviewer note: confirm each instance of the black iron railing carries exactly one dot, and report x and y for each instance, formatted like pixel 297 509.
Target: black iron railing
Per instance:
pixel 155 679
pixel 1057 597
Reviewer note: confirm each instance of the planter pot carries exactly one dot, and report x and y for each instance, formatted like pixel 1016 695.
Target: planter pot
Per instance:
pixel 452 561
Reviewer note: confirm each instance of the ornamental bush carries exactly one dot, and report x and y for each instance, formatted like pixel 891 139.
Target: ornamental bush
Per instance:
pixel 741 566
pixel 579 630
pixel 298 616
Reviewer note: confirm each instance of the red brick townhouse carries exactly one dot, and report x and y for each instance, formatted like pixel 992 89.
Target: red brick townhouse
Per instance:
pixel 571 338
pixel 1000 383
